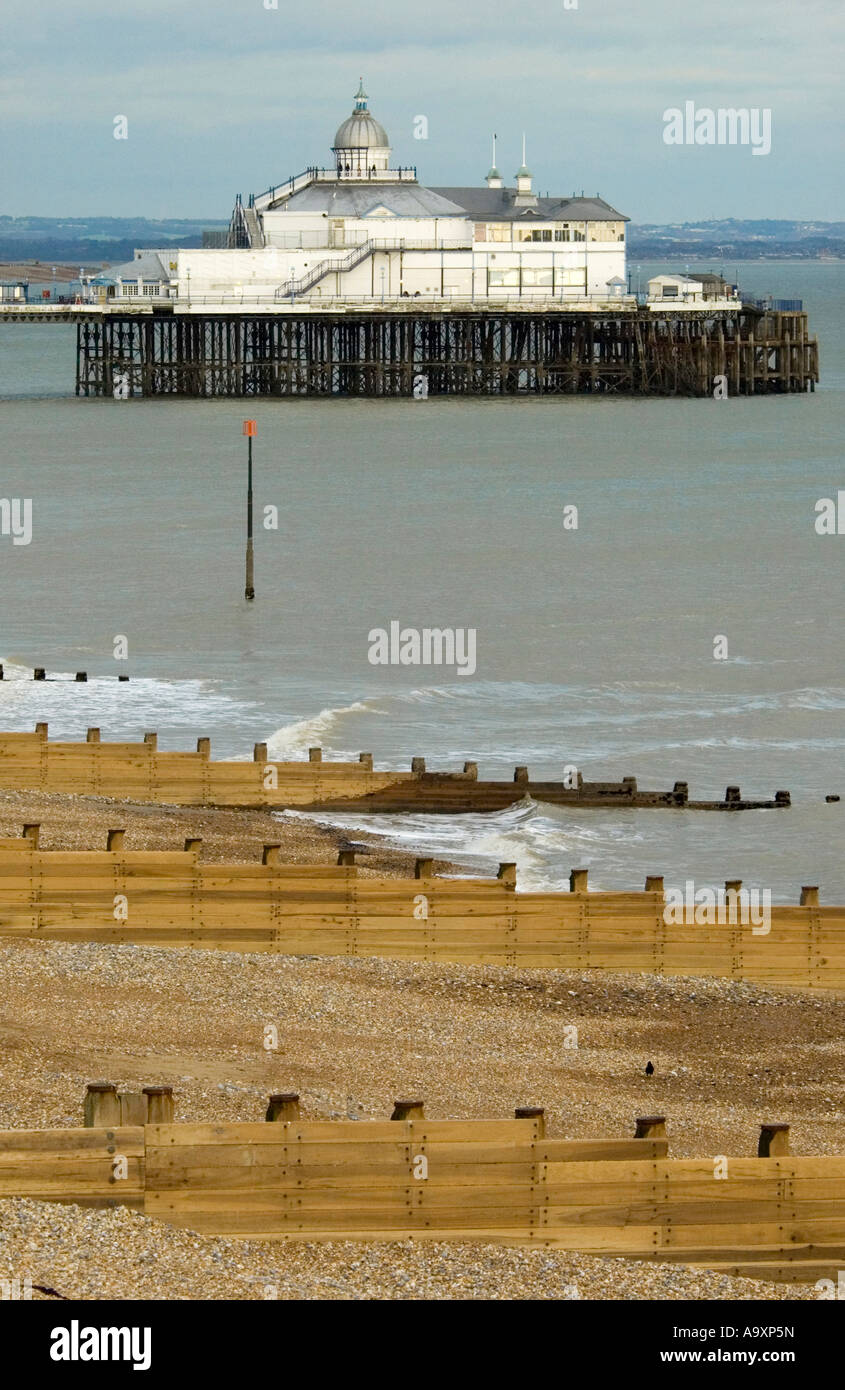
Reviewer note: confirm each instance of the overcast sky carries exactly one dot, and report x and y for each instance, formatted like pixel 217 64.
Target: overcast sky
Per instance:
pixel 227 96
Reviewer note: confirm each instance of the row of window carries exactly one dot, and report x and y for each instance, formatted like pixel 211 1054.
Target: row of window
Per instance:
pixel 154 290
pixel 567 231
pixel 560 278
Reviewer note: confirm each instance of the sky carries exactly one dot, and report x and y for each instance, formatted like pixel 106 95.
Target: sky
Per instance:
pixel 229 96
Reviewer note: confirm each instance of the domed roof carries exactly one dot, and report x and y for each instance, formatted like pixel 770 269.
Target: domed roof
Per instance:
pixel 361 131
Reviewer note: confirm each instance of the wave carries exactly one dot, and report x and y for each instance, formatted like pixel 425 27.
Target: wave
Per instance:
pixel 522 834
pixel 293 740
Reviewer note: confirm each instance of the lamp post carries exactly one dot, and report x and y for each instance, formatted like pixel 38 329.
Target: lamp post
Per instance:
pixel 292 290
pixel 381 273
pixel 249 590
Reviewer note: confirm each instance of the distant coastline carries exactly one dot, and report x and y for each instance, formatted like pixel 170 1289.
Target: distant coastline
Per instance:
pixel 94 242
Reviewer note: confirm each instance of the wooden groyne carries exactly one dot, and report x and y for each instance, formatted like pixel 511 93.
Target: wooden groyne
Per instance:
pixel 776 1216
pixel 173 898
pixel 140 772
pixel 404 349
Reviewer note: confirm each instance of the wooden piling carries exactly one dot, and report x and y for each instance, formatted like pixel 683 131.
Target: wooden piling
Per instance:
pixel 101 1107
pixel 773 1141
pixel 160 1107
pixel 650 1127
pixel 408 1110
pixel 282 1107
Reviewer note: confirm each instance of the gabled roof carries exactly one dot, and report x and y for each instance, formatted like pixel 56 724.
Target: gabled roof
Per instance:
pixel 147 266
pixel 497 205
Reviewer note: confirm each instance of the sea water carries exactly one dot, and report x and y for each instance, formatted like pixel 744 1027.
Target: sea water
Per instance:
pixel 594 646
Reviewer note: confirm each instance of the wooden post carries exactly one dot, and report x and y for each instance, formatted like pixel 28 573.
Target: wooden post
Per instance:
pixel 133 1108
pixel 532 1112
pixel 101 1107
pixel 270 855
pixel 32 833
pixel 39 674
pixel 654 883
pixel 283 1106
pixel 578 881
pixel 408 1110
pixel 423 868
pixel 732 795
pixel 41 729
pixel 82 675
pixel 346 856
pixel 204 747
pixel 418 765
pixel 520 774
pixel 507 874
pixel 193 844
pixel 259 753
pixel 680 793
pixel 114 840
pixel 152 741
pixel 315 755
pixel 92 736
pixel 366 761
pixel 773 1141
pixel 159 1105
pixel 809 896
pixel 783 798
pixel 471 771
pixel 249 587
pixel 650 1127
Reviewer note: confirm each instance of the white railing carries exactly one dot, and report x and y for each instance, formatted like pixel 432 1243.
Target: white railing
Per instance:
pixel 405 174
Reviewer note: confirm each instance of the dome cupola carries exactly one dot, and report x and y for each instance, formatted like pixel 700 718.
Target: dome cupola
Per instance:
pixel 361 147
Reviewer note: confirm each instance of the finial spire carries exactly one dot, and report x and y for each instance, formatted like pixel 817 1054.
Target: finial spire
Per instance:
pixel 360 96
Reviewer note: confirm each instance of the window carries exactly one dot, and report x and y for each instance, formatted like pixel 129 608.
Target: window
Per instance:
pixel 498 231
pixel 606 231
pixel 502 278
pixel 570 278
pixel 670 291
pixel 537 277
pixel 570 231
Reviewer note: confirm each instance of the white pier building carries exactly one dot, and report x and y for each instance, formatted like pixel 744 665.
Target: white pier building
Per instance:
pixel 361 232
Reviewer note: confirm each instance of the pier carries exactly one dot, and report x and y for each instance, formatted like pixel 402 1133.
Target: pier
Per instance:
pixel 411 348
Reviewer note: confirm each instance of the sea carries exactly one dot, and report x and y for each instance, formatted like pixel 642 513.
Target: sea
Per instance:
pixel 595 646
